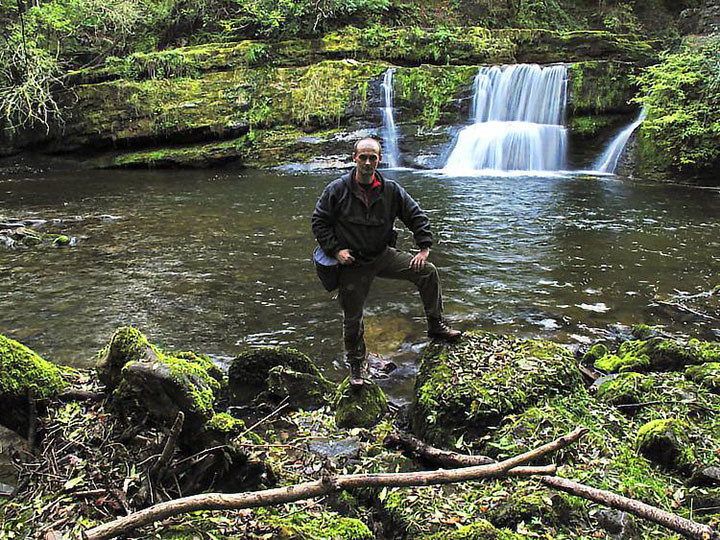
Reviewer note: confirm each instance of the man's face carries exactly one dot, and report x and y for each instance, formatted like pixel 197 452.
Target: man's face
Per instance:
pixel 367 157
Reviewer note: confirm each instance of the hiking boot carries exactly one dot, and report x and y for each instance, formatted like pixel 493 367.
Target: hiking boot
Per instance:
pixel 439 329
pixel 356 372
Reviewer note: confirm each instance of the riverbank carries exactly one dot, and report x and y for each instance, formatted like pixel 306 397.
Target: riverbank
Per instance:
pixel 653 435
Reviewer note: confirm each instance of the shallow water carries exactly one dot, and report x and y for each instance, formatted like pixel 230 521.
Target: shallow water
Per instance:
pixel 219 261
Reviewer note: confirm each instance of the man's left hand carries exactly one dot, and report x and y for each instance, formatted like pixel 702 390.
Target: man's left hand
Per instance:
pixel 418 261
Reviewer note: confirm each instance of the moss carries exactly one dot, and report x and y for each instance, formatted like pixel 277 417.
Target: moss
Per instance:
pixel 591 125
pixel 643 331
pixel 127 344
pixel 656 354
pixel 666 443
pixel 359 407
pixel 625 389
pixel 300 390
pixel 430 90
pixel 315 527
pixel 595 352
pixel 601 88
pixel 480 530
pixel 190 156
pixel 21 369
pixel 707 375
pixel 468 387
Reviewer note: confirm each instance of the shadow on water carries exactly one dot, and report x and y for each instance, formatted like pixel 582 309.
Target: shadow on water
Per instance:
pixel 218 262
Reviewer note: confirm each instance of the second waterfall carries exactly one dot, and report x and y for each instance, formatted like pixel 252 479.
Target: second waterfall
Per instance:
pixel 518 113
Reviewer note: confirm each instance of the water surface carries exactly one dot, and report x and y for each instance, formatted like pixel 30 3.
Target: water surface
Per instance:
pixel 219 261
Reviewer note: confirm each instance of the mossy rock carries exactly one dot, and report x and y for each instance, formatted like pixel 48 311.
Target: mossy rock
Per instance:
pixel 362 406
pixel 480 530
pixel 127 344
pixel 707 375
pixel 248 373
pixel 666 443
pixel 166 385
pixel 658 354
pixel 325 525
pixel 467 387
pixel 20 370
pixel 301 390
pixel 525 507
pixel 644 331
pixel 595 353
pixel 625 389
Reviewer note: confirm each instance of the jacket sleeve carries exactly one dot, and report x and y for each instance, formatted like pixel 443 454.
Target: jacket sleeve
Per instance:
pixel 414 218
pixel 322 222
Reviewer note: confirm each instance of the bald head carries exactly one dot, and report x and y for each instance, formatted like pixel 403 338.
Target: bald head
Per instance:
pixel 367 143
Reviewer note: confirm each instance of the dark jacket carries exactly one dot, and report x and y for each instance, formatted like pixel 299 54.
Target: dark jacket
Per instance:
pixel 343 220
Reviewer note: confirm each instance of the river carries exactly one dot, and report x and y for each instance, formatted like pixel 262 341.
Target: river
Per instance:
pixel 218 261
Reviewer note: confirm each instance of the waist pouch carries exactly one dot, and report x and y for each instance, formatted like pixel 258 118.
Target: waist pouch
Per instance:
pixel 327 268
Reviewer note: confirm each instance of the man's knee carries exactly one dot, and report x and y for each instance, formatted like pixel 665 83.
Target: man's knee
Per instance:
pixel 429 271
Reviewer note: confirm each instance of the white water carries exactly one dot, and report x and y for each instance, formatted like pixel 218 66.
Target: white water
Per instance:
pixel 391 154
pixel 518 113
pixel 609 160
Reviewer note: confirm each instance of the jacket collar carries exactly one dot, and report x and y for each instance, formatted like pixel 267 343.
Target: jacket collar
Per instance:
pixel 350 179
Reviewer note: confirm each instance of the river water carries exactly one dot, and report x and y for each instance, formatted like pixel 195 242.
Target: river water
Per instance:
pixel 218 262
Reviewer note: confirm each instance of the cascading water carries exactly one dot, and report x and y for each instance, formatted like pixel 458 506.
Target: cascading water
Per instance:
pixel 391 154
pixel 518 113
pixel 609 160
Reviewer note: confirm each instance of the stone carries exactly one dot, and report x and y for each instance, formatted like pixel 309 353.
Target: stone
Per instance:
pixel 466 388
pixel 298 389
pixel 127 344
pixel 359 406
pixel 707 375
pixel 617 523
pixel 665 442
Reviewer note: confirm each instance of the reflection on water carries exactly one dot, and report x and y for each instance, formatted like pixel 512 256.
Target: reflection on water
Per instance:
pixel 217 262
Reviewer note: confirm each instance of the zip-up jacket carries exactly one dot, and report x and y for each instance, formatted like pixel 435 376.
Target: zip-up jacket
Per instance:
pixel 346 218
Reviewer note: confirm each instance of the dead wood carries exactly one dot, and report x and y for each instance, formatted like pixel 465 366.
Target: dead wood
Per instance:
pixel 686 527
pixel 170 445
pixel 443 458
pixel 32 420
pixel 308 490
pixel 81 395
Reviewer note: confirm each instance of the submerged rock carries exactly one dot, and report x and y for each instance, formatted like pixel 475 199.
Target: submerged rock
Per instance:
pixel 274 373
pixel 468 387
pixel 361 406
pixel 20 370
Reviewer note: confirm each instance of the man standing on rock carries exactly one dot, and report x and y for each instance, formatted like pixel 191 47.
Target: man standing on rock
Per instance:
pixel 354 222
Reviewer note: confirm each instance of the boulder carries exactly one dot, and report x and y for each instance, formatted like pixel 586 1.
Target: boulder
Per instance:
pixel 707 375
pixel 127 344
pixel 20 370
pixel 470 386
pixel 274 373
pixel 625 388
pixel 666 443
pixel 658 354
pixel 362 406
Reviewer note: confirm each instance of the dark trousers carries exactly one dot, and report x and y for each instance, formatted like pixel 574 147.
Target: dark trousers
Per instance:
pixel 355 281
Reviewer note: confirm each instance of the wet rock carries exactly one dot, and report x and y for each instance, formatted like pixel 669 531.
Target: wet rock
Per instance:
pixel 643 331
pixel 707 375
pixel 20 370
pixel 344 448
pixel 380 367
pixel 249 375
pixel 467 387
pixel 362 406
pixel 666 443
pixel 620 525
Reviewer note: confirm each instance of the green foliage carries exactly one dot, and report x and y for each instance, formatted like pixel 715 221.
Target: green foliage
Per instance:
pixel 682 129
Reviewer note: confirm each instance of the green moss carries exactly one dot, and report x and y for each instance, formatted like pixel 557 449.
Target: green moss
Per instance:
pixel 22 369
pixel 300 390
pixel 430 90
pixel 465 388
pixel 127 344
pixel 666 443
pixel 225 423
pixel 643 331
pixel 359 407
pixel 601 87
pixel 191 156
pixel 196 382
pixel 480 530
pixel 306 526
pixel 707 375
pixel 595 352
pixel 656 354
pixel 624 389
pixel 325 91
pixel 589 126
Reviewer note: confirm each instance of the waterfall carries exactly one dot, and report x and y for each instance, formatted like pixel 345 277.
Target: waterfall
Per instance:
pixel 609 160
pixel 390 150
pixel 517 113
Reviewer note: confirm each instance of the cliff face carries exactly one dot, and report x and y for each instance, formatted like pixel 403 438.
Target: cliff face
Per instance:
pixel 262 103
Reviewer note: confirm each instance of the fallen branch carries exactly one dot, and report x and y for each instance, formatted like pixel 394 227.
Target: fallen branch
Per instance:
pixel 170 444
pixel 81 395
pixel 309 490
pixel 32 420
pixel 443 458
pixel 686 527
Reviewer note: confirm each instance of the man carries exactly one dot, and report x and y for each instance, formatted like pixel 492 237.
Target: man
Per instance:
pixel 353 222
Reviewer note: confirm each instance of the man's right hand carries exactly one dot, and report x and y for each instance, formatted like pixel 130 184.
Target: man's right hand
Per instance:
pixel 344 257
